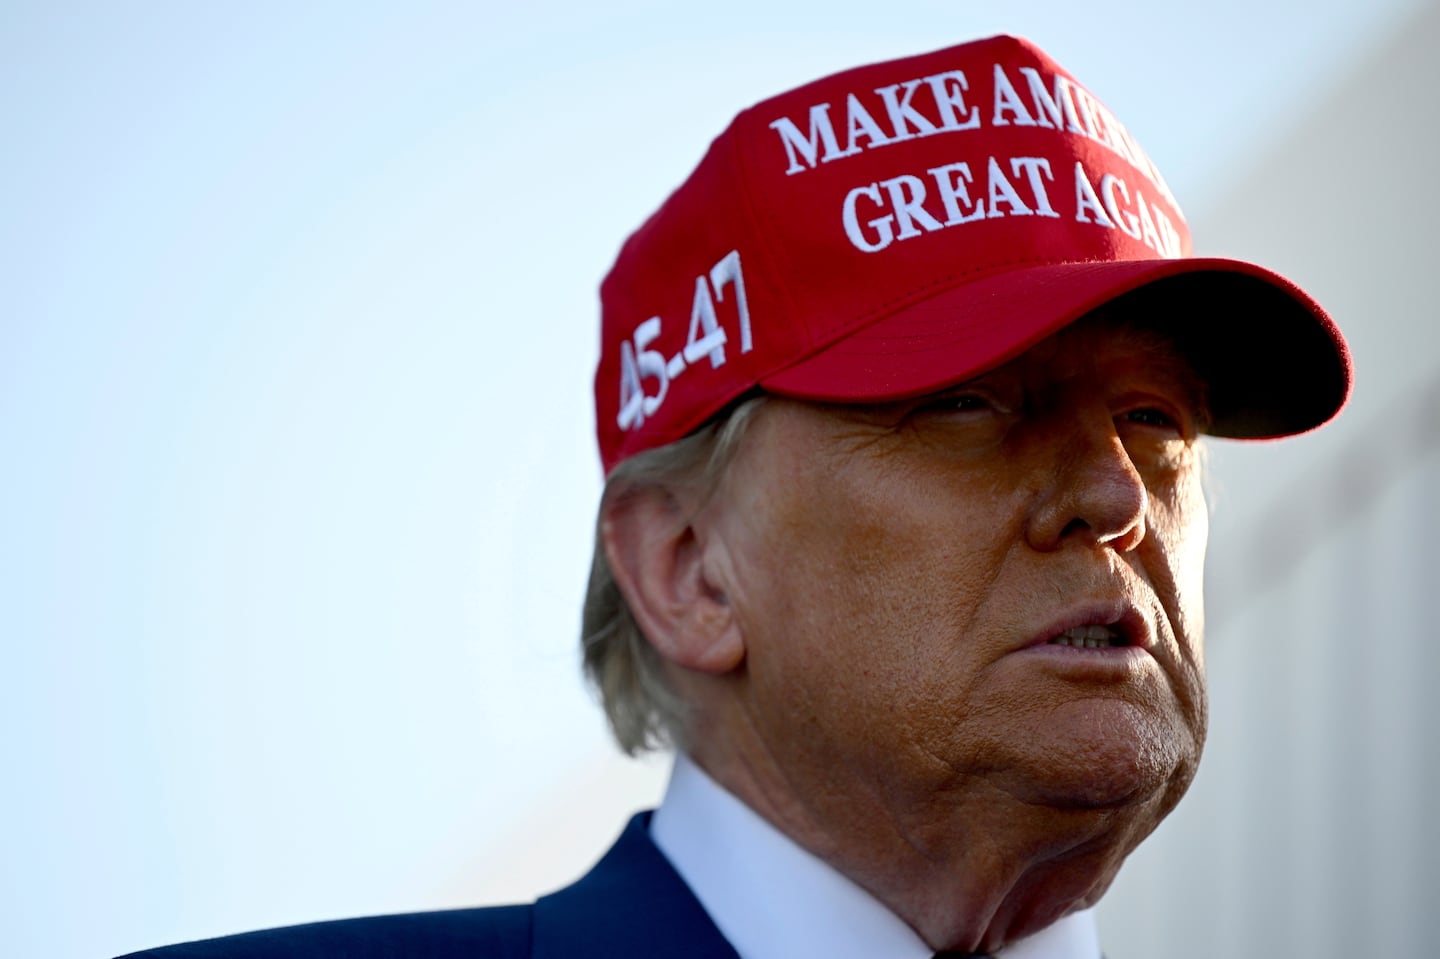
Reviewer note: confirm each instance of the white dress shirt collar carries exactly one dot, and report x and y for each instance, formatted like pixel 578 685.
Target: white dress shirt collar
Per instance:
pixel 774 900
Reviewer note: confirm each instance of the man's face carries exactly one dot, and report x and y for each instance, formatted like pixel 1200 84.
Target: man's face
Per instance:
pixel 997 587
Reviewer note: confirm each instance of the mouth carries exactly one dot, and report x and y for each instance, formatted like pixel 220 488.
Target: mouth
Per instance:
pixel 1103 642
pixel 1101 626
pixel 1091 637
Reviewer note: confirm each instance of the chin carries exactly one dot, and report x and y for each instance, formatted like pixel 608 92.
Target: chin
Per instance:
pixel 1114 758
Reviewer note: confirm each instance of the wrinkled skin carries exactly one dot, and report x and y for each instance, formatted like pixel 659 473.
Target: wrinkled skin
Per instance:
pixel 887 577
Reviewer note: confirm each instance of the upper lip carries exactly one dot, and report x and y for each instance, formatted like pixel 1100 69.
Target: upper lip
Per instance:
pixel 1120 615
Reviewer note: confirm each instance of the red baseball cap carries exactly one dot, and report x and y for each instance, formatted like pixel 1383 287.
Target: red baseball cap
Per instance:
pixel 901 227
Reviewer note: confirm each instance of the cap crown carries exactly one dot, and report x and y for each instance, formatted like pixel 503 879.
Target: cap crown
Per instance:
pixel 824 210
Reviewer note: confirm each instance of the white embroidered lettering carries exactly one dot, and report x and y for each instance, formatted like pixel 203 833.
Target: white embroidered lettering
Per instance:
pixel 1007 101
pixel 949 90
pixel 798 147
pixel 1034 168
pixel 1086 202
pixel 903 114
pixel 1128 222
pixel 1003 191
pixel 859 123
pixel 882 225
pixel 907 193
pixel 952 180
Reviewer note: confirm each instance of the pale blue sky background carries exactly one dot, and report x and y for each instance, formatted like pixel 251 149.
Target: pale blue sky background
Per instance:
pixel 297 321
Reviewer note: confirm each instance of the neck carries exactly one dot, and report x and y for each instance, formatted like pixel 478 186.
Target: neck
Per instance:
pixel 970 867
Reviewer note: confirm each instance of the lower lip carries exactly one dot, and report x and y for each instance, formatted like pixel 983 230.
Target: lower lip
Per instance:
pixel 1102 662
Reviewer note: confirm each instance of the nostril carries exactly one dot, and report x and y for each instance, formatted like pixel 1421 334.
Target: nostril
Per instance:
pixel 1095 495
pixel 1124 539
pixel 1127 539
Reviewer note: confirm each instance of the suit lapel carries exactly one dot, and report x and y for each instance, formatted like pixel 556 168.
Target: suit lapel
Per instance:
pixel 633 903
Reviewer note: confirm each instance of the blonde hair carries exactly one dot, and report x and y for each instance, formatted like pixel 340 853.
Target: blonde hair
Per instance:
pixel 643 711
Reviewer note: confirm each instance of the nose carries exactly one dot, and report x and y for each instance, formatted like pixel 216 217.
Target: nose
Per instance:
pixel 1092 493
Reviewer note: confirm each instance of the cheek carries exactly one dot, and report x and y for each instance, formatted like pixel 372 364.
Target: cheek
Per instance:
pixel 1177 575
pixel 859 588
pixel 1178 520
pixel 1188 534
pixel 894 552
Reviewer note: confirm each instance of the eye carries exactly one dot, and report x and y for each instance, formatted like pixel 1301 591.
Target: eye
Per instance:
pixel 961 401
pixel 1151 416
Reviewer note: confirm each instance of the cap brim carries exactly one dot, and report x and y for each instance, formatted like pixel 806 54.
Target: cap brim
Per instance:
pixel 1273 361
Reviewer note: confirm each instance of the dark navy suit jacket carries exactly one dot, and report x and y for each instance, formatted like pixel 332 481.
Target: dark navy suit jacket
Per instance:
pixel 633 904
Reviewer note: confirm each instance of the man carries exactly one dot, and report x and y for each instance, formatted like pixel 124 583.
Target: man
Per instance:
pixel 899 400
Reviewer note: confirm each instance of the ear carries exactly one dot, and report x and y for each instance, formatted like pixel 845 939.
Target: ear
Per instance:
pixel 663 564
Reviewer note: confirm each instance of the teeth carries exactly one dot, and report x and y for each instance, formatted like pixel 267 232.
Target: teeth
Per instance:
pixel 1089 637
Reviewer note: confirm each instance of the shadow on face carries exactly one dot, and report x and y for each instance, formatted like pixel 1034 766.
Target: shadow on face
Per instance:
pixel 994 588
